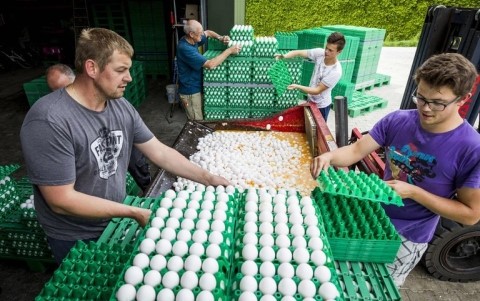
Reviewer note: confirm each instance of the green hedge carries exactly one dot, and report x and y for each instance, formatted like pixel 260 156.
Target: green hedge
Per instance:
pixel 402 19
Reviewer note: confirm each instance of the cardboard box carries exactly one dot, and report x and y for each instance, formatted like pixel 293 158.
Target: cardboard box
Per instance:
pixel 191 11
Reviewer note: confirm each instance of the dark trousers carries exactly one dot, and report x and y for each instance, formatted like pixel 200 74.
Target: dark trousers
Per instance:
pixel 60 248
pixel 324 112
pixel 139 168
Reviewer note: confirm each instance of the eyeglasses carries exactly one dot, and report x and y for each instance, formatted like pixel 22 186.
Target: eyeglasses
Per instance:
pixel 433 105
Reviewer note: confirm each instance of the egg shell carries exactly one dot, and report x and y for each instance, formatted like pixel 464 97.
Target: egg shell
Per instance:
pixel 323 274
pixel 166 203
pixel 266 228
pixel 219 215
pixel 249 268
pixel 328 291
pixel 193 205
pixel 209 196
pixel 205 296
pixel 267 269
pixel 299 242
pixel 318 257
pixel 306 200
pixel 280 198
pixel 176 213
pixel 189 280
pixel 179 202
pixel 202 224
pixel 141 260
pixel 195 196
pixel 281 218
pixel 308 210
pixel 126 292
pixel 282 229
pixel 199 236
pixel 158 262
pixel 251 206
pixel 172 223
pixel 210 265
pixel 215 237
pixel 205 215
pixel 268 297
pixel 251 197
pixel 267 253
pixel 153 233
pixel 296 219
pixel 286 270
pixel 265 217
pixel 284 255
pixel 163 246
pixel 266 240
pixel 250 238
pixel 265 207
pixel 310 220
pixel 223 197
pixel 146 293
pixel 187 224
pixel 315 243
pixel 184 235
pixel 190 213
pixel 170 279
pixel 307 288
pixel 213 251
pixel 280 208
pixel 168 234
pixel 247 296
pixel 249 252
pixel 180 248
pixel 157 222
pixel 170 194
pixel 183 194
pixel 221 206
pixel 133 275
pixel 166 294
pixel 251 217
pixel 218 225
pixel 197 249
pixel 297 230
pixel 268 286
pixel 313 231
pixel 207 205
pixel 147 246
pixel 287 287
pixel 250 227
pixel 193 263
pixel 282 241
pixel 301 255
pixel 304 271
pixel 175 263
pixel 152 278
pixel 248 284
pixel 207 282
pixel 185 294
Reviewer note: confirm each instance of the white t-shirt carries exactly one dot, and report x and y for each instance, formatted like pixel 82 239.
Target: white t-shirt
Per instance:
pixel 327 75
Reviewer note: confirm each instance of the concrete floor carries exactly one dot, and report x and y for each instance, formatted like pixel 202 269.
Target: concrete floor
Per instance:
pixel 19 283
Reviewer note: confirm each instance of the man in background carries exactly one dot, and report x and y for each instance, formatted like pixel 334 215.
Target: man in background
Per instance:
pixel 59 76
pixel 190 63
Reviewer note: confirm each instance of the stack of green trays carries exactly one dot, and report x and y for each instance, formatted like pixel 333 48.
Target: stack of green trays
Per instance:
pixel 287 40
pixel 136 91
pixel 347 70
pixel 132 187
pixel 239 70
pixel 35 89
pixel 263 98
pixel 241 33
pixel 366 281
pixel 260 68
pixel 265 47
pixel 239 97
pixel 215 96
pixel 215 44
pixel 289 99
pixel 344 88
pixel 357 230
pixel 215 113
pixel 111 16
pixel 363 103
pixel 294 67
pixel 218 74
pixel 264 112
pixel 280 76
pixel 89 272
pixel 307 71
pixel 239 113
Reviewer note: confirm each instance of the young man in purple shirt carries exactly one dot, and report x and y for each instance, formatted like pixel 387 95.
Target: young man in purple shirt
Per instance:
pixel 191 63
pixel 432 155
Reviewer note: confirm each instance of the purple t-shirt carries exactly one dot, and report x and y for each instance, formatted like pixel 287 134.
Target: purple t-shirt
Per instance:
pixel 439 163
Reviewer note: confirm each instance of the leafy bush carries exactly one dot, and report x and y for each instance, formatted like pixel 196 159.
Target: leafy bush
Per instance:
pixel 402 19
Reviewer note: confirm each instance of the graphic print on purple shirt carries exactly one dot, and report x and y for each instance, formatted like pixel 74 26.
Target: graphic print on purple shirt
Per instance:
pixel 410 165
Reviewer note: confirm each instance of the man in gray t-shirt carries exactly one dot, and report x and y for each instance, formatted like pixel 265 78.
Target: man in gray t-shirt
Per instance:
pixel 77 143
pixel 326 74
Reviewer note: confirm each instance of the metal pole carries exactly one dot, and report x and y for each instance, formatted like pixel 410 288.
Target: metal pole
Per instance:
pixel 341 120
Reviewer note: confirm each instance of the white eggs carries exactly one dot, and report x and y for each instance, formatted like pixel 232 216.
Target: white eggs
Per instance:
pixel 175 263
pixel 165 294
pixel 213 251
pixel 250 238
pixel 268 286
pixel 323 274
pixel 284 255
pixel 287 287
pixel 126 292
pixel 249 268
pixel 187 224
pixel 158 262
pixel 267 269
pixel 193 263
pixel 249 252
pixel 185 295
pixel 247 296
pixel 205 296
pixel 147 246
pixel 141 260
pixel 266 228
pixel 313 231
pixel 250 227
pixel 180 248
pixel 248 284
pixel 202 224
pixel 199 236
pixel 153 233
pixel 166 203
pixel 267 240
pixel 197 248
pixel 179 203
pixel 163 246
pixel 299 242
pixel 286 270
pixel 207 282
pixel 170 279
pixel 328 291
pixel 318 257
pixel 315 243
pixel 301 255
pixel 170 194
pixel 190 213
pixel 282 241
pixel 146 293
pixel 218 225
pixel 297 230
pixel 168 234
pixel 133 275
pixel 267 253
pixel 304 271
pixel 189 280
pixel 307 288
pixel 152 278
pixel 210 265
pixel 157 222
pixel 184 235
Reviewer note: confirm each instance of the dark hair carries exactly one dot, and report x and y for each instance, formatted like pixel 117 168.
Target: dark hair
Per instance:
pixel 338 39
pixel 448 69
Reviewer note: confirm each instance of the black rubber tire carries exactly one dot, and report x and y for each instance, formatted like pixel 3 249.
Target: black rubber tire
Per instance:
pixel 454 252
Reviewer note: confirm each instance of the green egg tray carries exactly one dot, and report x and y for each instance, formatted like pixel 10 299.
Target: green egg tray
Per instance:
pixel 365 281
pixel 358 185
pixel 6 170
pixel 280 76
pixel 357 230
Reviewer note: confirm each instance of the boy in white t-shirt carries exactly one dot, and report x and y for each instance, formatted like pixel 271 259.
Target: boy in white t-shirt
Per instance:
pixel 326 74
